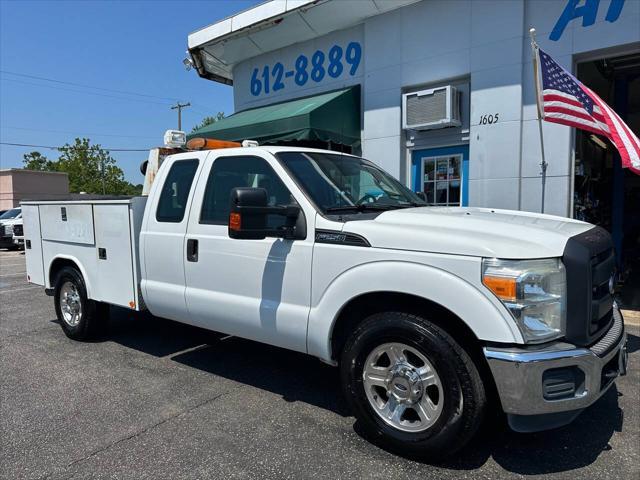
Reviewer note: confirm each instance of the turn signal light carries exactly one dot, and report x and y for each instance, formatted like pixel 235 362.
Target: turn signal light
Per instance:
pixel 503 287
pixel 235 221
pixel 210 144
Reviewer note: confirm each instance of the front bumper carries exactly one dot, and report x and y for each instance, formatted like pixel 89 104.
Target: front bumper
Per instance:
pixel 6 242
pixel 548 387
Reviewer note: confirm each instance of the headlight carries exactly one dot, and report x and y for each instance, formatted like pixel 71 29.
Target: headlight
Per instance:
pixel 535 293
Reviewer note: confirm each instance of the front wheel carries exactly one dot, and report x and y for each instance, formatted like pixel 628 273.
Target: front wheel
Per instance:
pixel 414 390
pixel 80 317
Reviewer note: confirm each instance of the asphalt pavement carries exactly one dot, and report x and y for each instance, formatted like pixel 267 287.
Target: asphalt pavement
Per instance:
pixel 157 399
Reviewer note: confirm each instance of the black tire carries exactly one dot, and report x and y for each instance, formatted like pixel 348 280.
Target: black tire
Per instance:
pixel 94 317
pixel 464 397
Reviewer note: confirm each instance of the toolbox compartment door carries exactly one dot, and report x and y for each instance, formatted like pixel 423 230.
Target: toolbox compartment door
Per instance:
pixel 33 244
pixel 72 223
pixel 114 282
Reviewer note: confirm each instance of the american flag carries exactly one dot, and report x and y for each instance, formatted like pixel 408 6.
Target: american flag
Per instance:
pixel 562 98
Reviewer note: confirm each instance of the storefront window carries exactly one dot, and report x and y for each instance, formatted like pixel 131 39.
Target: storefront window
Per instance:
pixel 442 179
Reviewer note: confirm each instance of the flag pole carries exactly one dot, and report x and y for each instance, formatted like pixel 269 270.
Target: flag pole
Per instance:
pixel 536 79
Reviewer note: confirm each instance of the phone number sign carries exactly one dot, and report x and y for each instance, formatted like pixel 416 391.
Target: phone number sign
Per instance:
pixel 336 61
pixel 313 69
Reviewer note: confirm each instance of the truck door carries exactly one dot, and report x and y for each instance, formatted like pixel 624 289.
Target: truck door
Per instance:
pixel 256 289
pixel 162 236
pixel 33 244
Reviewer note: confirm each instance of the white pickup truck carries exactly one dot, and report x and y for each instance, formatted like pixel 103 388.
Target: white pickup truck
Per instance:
pixel 428 312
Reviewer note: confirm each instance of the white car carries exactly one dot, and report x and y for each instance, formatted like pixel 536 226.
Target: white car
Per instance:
pixel 427 311
pixel 11 223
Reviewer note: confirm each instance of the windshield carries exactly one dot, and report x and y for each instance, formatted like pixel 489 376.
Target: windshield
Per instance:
pixel 341 183
pixel 13 213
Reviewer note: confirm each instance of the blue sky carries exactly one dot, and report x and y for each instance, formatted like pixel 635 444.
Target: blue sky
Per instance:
pixel 129 46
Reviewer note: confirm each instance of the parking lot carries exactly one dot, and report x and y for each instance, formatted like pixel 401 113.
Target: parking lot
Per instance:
pixel 156 399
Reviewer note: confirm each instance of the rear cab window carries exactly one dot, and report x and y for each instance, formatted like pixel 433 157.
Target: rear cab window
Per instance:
pixel 175 191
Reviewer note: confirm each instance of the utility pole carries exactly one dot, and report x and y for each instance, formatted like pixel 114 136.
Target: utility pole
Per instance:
pixel 102 171
pixel 179 106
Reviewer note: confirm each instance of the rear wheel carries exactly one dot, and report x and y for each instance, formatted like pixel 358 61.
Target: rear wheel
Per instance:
pixel 80 317
pixel 414 390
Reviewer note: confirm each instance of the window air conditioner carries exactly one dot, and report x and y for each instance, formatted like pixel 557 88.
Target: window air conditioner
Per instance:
pixel 429 109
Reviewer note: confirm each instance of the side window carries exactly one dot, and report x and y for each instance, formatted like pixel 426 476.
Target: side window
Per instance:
pixel 231 172
pixel 175 191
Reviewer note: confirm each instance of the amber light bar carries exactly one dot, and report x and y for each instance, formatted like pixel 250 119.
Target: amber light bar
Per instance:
pixel 199 143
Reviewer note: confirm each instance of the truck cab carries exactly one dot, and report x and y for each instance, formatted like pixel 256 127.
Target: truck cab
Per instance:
pixel 427 311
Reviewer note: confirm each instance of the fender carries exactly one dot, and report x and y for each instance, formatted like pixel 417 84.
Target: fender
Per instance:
pixel 484 317
pixel 87 281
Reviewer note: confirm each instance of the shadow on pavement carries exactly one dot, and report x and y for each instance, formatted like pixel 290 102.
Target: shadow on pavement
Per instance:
pixel 294 376
pixel 155 336
pixel 300 378
pixel 577 445
pixel 633 343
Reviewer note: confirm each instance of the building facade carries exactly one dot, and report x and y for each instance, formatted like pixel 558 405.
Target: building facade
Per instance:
pixel 480 47
pixel 17 184
pixel 446 94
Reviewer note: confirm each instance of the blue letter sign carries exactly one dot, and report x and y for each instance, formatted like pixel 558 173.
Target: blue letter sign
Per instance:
pixel 322 64
pixel 588 12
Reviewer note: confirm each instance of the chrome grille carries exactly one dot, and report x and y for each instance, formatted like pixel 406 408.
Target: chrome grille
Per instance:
pixel 612 337
pixel 589 261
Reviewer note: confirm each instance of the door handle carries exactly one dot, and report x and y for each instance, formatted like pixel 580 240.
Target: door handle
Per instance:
pixel 192 250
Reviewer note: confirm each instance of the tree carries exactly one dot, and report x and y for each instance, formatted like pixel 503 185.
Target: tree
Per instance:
pixel 91 168
pixel 37 161
pixel 208 121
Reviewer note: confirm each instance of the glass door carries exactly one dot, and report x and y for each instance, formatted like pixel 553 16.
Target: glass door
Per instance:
pixel 441 179
pixel 442 174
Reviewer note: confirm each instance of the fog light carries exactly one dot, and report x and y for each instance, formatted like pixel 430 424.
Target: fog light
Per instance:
pixel 561 383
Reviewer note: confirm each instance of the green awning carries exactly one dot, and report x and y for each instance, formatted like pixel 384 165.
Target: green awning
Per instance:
pixel 329 117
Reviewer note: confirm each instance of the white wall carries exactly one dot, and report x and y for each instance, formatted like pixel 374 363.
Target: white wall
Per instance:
pixel 244 99
pixel 487 42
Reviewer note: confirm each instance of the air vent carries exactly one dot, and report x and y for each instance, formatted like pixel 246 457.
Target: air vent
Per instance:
pixel 433 108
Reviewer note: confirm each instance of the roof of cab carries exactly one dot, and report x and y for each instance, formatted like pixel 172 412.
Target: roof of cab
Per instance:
pixel 273 149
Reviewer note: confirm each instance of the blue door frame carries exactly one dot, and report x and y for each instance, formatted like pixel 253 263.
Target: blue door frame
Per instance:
pixel 416 167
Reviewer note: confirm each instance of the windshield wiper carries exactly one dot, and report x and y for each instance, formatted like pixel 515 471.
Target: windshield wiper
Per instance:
pixel 362 207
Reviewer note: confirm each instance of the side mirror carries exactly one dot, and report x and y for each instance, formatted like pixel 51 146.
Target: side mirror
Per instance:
pixel 248 216
pixel 422 196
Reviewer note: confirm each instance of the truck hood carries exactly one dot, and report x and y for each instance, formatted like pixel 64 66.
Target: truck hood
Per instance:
pixel 481 232
pixel 11 221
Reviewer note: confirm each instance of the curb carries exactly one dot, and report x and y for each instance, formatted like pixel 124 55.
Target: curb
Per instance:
pixel 631 317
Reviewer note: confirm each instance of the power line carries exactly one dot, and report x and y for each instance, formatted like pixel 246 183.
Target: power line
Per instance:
pixel 86 93
pixel 17 74
pixel 200 111
pixel 58 148
pixel 76 133
pixel 23 82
